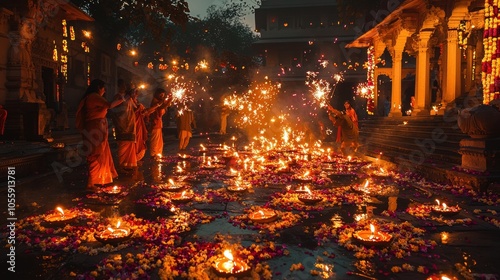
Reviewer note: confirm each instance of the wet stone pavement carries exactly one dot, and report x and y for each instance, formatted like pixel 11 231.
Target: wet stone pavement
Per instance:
pixel 172 240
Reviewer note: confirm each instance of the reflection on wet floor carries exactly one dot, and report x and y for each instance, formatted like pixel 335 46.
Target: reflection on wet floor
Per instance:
pixel 307 239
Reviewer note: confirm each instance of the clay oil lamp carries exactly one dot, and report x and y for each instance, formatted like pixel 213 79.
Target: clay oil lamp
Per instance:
pixel 182 197
pixel 264 215
pixel 159 157
pixel 238 186
pixel 441 277
pixel 172 186
pixel 309 197
pixel 301 189
pixel 60 216
pixel 444 237
pixel 232 173
pixel 445 210
pixel 183 156
pixel 372 237
pixel 179 170
pixel 113 235
pixel 208 164
pixel 283 167
pixel 229 266
pixel 304 178
pixel 381 173
pixel 113 190
pixel 365 188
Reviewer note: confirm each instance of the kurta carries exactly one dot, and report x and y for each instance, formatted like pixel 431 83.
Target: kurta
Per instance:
pixel 91 114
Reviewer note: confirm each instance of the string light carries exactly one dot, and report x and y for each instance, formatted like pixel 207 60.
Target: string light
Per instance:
pixel 490 63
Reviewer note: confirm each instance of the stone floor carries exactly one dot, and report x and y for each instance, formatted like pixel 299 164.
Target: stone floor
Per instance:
pixel 307 242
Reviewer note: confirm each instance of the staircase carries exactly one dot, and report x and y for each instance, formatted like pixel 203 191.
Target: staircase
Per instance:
pixel 423 144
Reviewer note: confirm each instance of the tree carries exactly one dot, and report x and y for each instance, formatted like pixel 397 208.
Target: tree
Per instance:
pixel 117 18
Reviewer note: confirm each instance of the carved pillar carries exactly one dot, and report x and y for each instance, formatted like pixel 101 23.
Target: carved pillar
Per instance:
pixel 397 57
pixel 451 87
pixel 422 83
pixel 27 114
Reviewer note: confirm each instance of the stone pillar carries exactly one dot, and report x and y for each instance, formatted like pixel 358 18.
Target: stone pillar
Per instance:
pixel 422 82
pixel 452 81
pixel 397 58
pixel 28 116
pixel 481 151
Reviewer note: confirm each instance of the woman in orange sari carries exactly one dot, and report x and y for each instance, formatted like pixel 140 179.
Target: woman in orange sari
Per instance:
pixel 160 102
pixel 91 121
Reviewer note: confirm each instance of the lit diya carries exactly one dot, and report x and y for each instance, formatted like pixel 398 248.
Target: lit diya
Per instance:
pixel 228 265
pixel 264 215
pixel 232 173
pixel 182 197
pixel 445 210
pixel 112 189
pixel 61 216
pixel 381 173
pixel 304 178
pixel 172 186
pixel 441 277
pixel 238 186
pixel 184 156
pixel 372 237
pixel 309 197
pixel 113 235
pixel 208 165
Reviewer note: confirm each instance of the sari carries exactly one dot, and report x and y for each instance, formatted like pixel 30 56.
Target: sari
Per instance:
pixel 91 120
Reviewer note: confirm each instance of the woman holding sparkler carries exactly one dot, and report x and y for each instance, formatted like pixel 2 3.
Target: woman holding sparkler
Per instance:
pixel 349 131
pixel 160 102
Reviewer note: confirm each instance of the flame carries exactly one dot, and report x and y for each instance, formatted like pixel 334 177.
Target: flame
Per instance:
pixel 366 184
pixel 438 203
pixel 159 155
pixel 306 188
pixel 183 194
pixel 444 277
pixel 60 210
pixel 118 224
pixel 171 182
pixel 228 255
pixel 372 228
pixel 179 169
pixel 444 206
pixel 111 229
pixel 115 188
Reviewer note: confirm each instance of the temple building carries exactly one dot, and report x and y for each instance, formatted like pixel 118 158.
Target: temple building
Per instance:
pixel 445 38
pixel 49 55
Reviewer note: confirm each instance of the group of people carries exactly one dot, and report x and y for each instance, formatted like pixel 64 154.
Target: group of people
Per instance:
pixel 129 120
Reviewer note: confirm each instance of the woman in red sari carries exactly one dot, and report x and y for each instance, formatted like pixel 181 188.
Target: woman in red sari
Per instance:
pixel 91 121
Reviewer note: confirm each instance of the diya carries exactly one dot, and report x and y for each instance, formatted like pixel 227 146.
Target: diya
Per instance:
pixel 304 178
pixel 227 265
pixel 173 186
pixel 184 156
pixel 310 198
pixel 61 216
pixel 445 210
pixel 232 173
pixel 112 189
pixel 182 197
pixel 238 186
pixel 441 277
pixel 381 173
pixel 113 235
pixel 264 215
pixel 372 237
